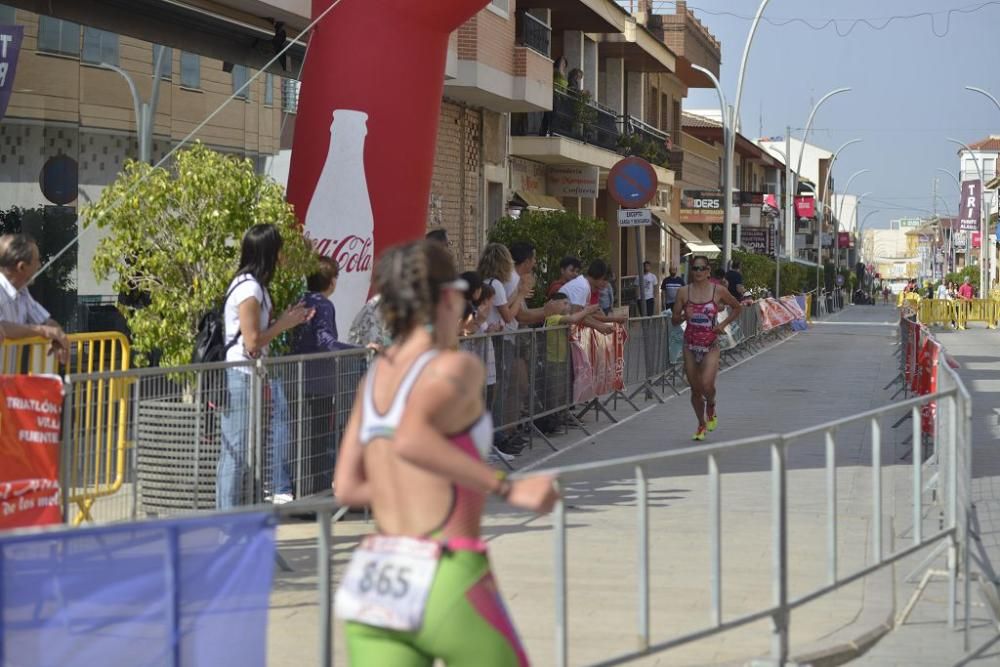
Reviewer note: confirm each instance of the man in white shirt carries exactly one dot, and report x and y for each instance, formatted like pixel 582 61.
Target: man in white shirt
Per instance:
pixel 20 315
pixel 649 283
pixel 581 290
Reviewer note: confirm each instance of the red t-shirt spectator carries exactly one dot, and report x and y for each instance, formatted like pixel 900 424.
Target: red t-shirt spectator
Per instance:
pixel 966 291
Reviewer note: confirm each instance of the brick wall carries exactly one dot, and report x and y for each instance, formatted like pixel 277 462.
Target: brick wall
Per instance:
pixel 489 38
pixel 457 182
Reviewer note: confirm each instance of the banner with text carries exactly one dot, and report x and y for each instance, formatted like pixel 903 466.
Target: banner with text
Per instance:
pixel 759 240
pixel 701 206
pixel 805 207
pixel 572 181
pixel 969 207
pixel 598 362
pixel 30 423
pixel 10 48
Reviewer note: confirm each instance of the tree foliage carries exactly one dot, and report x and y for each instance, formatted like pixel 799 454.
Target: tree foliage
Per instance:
pixel 555 235
pixel 173 236
pixel 759 272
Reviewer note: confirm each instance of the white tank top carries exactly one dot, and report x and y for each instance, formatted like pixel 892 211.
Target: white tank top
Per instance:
pixel 375 425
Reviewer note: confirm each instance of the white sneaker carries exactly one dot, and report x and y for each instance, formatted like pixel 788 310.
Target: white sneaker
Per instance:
pixel 282 498
pixel 502 456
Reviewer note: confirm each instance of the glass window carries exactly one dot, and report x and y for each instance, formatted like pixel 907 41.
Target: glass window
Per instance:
pixel 502 6
pixel 58 36
pixel 167 65
pixel 99 46
pixel 241 75
pixel 190 70
pixel 6 14
pixel 290 95
pixel 269 90
pixel 989 168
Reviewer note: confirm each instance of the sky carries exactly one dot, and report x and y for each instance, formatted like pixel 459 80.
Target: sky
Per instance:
pixel 908 88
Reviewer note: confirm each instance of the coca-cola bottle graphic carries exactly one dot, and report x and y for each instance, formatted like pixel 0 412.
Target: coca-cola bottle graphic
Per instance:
pixel 339 220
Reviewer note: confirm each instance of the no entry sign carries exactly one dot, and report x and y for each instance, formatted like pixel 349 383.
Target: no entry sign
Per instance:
pixel 632 182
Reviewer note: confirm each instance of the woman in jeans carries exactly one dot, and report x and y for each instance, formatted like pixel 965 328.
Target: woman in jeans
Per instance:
pixel 249 330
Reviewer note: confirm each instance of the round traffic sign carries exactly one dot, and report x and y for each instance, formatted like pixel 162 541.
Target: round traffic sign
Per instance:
pixel 632 182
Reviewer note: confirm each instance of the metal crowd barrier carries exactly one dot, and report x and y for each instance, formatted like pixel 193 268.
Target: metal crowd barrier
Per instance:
pixel 161 441
pixel 958 312
pixel 95 442
pixel 952 442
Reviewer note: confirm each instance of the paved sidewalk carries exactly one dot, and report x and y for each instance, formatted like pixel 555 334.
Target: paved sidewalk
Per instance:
pixel 836 369
pixel 925 639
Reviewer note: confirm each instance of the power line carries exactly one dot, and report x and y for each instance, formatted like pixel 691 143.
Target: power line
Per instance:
pixel 874 23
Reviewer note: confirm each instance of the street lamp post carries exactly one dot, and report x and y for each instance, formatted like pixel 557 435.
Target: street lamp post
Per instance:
pixel 727 138
pixel 826 190
pixel 784 221
pixel 983 268
pixel 144 111
pixel 840 207
pixel 983 235
pixel 840 213
pixel 727 225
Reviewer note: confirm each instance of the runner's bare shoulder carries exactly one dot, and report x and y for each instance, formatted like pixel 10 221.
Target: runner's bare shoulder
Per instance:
pixel 463 370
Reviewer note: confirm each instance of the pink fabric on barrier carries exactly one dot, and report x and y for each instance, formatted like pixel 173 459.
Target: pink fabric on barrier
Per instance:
pixel 598 362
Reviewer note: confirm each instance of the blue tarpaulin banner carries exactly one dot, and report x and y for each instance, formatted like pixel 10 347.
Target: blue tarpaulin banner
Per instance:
pixel 175 592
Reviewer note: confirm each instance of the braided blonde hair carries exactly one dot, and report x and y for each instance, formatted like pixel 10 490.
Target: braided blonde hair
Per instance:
pixel 409 278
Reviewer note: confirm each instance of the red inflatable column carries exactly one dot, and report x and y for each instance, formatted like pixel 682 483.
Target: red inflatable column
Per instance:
pixel 366 128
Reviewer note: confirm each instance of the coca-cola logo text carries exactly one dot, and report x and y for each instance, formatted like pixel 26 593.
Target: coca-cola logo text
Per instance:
pixel 353 253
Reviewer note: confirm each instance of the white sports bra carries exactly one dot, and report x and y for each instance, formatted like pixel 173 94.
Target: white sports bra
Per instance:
pixel 375 425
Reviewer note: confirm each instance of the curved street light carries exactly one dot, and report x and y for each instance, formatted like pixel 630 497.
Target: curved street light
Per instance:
pixel 727 234
pixel 826 191
pixel 983 268
pixel 984 93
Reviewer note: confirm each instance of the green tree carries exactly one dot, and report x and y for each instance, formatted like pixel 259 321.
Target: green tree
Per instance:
pixel 174 236
pixel 555 234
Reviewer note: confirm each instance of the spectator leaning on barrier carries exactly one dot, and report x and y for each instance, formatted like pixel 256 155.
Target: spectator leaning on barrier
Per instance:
pixel 671 284
pixel 557 348
pixel 20 315
pixel 569 268
pixel 579 291
pixel 734 280
pixel 319 376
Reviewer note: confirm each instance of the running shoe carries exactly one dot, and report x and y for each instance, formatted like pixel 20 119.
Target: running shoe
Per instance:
pixel 713 419
pixel 699 435
pixel 282 498
pixel 497 456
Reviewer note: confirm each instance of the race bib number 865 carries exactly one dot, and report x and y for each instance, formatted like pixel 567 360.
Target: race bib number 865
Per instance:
pixel 388 581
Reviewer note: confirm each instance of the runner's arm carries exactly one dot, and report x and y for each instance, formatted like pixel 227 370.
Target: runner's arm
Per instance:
pixel 351 485
pixel 734 309
pixel 680 303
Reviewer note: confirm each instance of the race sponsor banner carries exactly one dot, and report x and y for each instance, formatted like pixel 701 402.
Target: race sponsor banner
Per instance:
pixel 30 424
pixel 969 207
pixel 772 314
pixel 598 362
pixel 805 207
pixel 10 47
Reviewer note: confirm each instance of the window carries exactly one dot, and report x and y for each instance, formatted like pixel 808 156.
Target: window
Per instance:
pixel 269 90
pixel 241 75
pixel 290 95
pixel 500 6
pixel 6 14
pixel 58 36
pixel 494 203
pixel 989 168
pixel 167 65
pixel 190 70
pixel 99 46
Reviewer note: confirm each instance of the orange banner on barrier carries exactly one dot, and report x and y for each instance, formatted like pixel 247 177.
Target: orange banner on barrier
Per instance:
pixel 598 362
pixel 773 314
pixel 30 425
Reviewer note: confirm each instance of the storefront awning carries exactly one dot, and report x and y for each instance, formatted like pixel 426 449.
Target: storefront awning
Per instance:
pixel 537 201
pixel 696 242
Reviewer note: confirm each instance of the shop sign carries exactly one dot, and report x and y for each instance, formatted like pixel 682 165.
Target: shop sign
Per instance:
pixel 759 240
pixel 527 176
pixel 805 207
pixel 10 47
pixel 969 206
pixel 572 181
pixel 844 240
pixel 701 206
pixel 975 239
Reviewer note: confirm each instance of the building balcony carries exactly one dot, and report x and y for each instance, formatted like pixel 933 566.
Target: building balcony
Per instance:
pixel 579 130
pixel 533 34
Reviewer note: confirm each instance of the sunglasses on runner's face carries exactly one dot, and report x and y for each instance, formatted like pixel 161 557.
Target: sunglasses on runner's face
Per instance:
pixel 699 268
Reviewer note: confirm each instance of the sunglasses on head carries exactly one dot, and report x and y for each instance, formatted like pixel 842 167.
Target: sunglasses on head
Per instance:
pixel 699 268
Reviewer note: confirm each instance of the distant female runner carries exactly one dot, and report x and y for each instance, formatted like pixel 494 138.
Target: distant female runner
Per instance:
pixel 699 303
pixel 421 588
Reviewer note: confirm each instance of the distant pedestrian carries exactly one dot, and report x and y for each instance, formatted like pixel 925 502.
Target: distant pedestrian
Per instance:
pixel 966 292
pixel 734 280
pixel 671 284
pixel 649 282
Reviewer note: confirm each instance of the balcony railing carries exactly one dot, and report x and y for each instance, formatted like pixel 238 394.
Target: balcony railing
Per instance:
pixel 576 116
pixel 533 33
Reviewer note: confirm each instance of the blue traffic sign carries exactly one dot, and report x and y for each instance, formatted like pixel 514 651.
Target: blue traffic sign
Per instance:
pixel 632 182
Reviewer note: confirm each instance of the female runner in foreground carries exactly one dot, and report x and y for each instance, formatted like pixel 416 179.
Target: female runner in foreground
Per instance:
pixel 699 303
pixel 421 588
